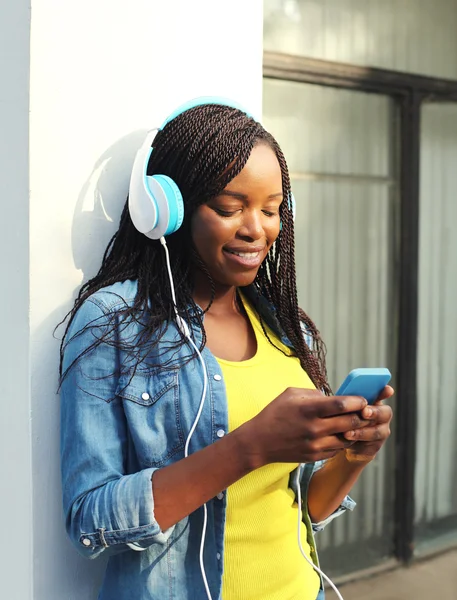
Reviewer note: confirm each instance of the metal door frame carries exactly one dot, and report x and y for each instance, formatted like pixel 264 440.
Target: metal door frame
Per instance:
pixel 410 91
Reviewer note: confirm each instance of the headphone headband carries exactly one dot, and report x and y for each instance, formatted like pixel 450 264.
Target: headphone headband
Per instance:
pixel 155 202
pixel 200 101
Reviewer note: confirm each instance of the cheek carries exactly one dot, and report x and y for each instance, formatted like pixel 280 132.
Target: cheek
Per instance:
pixel 208 230
pixel 272 232
pixel 207 237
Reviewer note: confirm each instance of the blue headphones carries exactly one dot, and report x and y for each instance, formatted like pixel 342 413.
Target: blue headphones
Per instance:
pixel 155 201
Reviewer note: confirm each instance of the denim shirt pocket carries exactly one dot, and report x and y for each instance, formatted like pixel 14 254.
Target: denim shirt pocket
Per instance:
pixel 151 407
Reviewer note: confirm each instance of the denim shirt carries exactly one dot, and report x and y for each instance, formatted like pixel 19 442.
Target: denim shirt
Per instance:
pixel 118 426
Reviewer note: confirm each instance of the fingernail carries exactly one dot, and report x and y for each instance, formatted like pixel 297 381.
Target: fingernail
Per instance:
pixel 368 412
pixel 350 434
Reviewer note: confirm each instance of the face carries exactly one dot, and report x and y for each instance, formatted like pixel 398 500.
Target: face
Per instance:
pixel 234 232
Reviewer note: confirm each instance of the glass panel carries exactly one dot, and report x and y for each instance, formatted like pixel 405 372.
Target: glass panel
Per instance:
pixel 340 146
pixel 416 36
pixel 338 131
pixel 436 467
pixel 345 270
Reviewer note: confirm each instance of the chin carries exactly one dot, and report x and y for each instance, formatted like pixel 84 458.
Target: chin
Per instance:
pixel 245 280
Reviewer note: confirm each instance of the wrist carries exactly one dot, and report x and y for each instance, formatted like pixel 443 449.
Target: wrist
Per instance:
pixel 248 447
pixel 355 459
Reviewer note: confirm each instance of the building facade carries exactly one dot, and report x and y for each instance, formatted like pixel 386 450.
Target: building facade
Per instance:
pixel 361 95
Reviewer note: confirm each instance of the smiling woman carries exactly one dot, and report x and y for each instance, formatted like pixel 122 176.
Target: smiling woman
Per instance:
pixel 185 416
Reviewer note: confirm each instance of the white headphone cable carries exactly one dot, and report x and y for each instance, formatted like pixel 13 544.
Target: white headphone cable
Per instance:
pixel 184 328
pixel 315 567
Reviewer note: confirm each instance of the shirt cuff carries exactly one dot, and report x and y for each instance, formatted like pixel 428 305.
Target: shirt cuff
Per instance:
pixel 347 504
pixel 133 512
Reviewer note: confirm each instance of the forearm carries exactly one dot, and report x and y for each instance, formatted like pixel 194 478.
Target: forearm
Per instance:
pixel 331 484
pixel 184 486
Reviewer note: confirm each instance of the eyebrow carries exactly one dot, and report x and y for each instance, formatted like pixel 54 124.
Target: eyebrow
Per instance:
pixel 240 196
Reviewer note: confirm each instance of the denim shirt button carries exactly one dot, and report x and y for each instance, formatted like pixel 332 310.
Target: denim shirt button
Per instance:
pixel 220 496
pixel 145 396
pixel 217 377
pixel 220 433
pixel 218 556
pixel 86 542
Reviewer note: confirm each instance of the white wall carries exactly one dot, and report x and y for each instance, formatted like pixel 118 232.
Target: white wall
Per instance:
pixel 15 441
pixel 101 74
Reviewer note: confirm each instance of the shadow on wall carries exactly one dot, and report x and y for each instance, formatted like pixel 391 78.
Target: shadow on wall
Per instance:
pixel 100 203
pixel 59 571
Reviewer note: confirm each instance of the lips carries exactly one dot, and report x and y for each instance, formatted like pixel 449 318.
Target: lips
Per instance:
pixel 251 256
pixel 244 249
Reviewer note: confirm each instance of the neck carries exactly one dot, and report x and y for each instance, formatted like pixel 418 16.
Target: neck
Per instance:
pixel 224 301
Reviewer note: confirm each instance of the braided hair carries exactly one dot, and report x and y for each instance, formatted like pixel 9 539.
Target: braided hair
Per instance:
pixel 202 149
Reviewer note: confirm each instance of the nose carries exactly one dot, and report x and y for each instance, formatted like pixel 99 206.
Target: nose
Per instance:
pixel 251 227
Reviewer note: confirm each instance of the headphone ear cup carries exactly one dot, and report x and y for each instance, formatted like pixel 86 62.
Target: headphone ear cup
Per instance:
pixel 142 204
pixel 155 201
pixel 170 208
pixel 174 202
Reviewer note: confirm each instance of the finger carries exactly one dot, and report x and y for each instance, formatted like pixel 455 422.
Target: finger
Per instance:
pixel 386 393
pixel 341 424
pixel 331 443
pixel 339 405
pixel 369 434
pixel 377 413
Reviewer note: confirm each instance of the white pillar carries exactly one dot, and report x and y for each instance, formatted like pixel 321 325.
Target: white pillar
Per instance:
pixel 15 432
pixel 101 73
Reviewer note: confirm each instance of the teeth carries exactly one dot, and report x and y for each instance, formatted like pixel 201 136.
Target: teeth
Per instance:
pixel 245 254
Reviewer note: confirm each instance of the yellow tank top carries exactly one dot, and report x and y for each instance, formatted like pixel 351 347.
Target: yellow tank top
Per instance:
pixel 262 560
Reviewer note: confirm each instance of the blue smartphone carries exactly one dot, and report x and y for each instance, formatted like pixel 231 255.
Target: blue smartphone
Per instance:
pixel 367 383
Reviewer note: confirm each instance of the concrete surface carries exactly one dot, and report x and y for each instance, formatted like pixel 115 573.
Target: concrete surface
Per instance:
pixel 435 579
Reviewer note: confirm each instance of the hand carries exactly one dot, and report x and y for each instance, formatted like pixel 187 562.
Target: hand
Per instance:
pixel 303 425
pixel 369 440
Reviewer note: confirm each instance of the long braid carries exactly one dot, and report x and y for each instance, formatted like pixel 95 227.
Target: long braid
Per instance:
pixel 202 149
pixel 284 291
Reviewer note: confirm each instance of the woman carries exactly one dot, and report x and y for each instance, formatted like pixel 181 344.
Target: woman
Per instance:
pixel 145 447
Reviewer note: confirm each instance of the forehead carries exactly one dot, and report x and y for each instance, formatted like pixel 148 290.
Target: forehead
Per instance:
pixel 261 169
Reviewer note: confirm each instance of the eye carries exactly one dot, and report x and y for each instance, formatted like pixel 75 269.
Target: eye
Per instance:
pixel 225 213
pixel 270 213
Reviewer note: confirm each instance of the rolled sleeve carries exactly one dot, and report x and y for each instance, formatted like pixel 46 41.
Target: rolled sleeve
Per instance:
pixel 107 509
pixel 347 504
pixel 127 512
